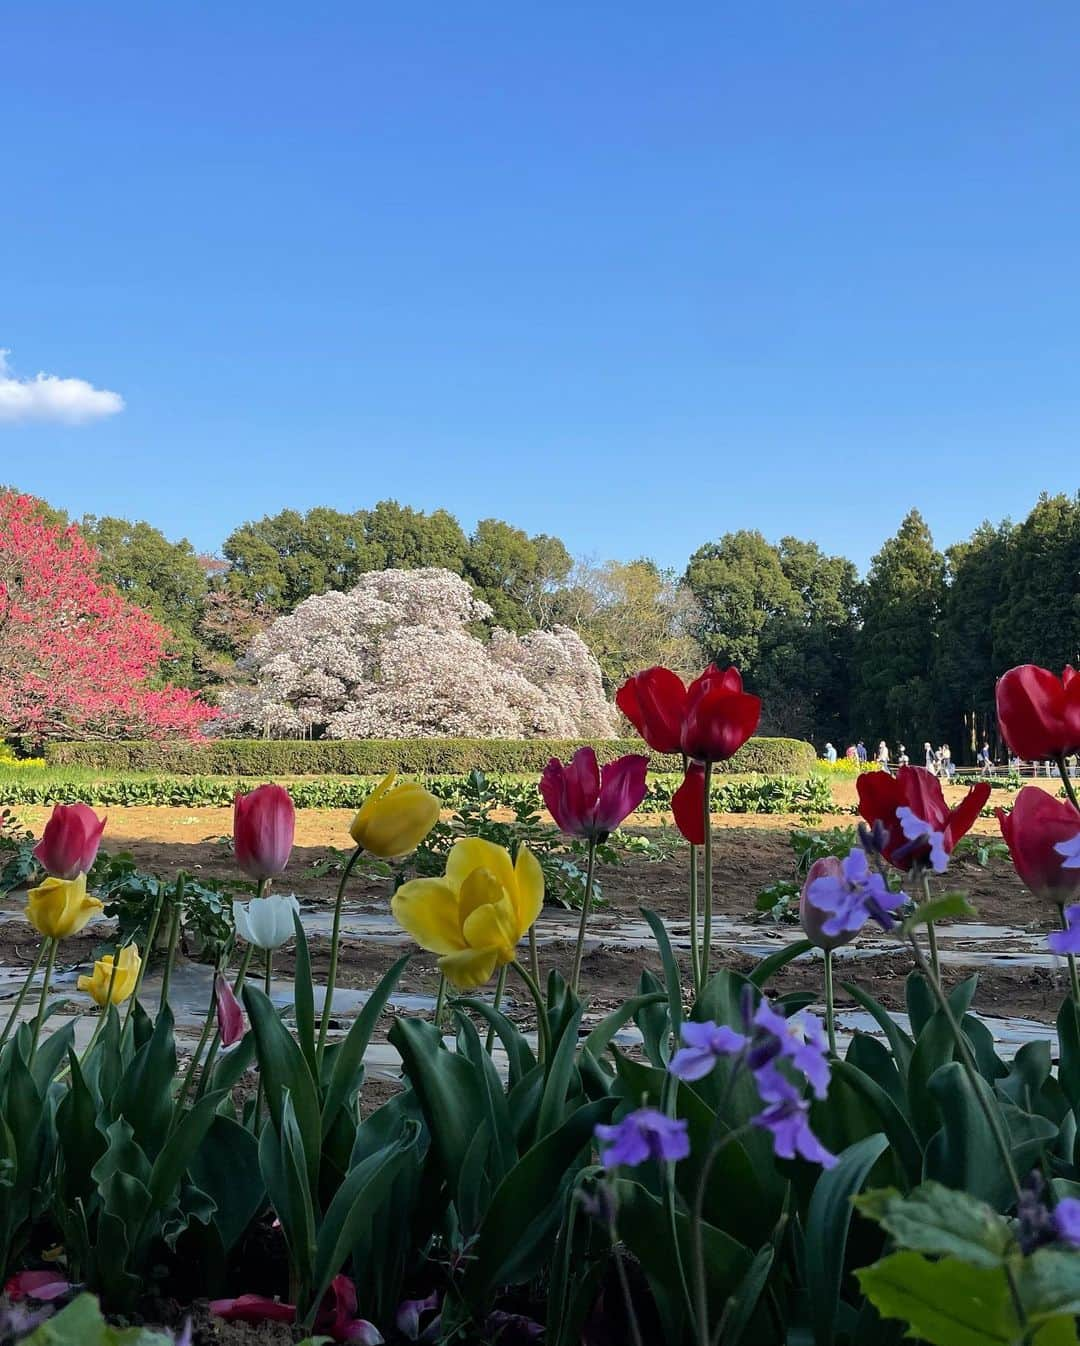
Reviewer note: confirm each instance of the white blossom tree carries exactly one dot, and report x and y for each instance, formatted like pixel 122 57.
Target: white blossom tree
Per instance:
pixel 403 655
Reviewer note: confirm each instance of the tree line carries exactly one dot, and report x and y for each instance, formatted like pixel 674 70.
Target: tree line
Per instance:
pixel 910 652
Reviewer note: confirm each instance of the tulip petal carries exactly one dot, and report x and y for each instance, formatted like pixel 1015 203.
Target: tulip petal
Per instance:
pixel 654 701
pixel 428 910
pixel 528 889
pixel 470 968
pixel 474 853
pixel 688 805
pixel 962 818
pixel 622 788
pixel 492 925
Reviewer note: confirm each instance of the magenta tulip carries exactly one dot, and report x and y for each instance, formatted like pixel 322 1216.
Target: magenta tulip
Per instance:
pixel 230 1017
pixel 590 802
pixel 264 822
pixel 70 841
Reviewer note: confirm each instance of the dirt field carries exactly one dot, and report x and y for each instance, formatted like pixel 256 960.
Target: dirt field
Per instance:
pixel 751 852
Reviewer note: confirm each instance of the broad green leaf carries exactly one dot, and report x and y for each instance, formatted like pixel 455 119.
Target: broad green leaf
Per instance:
pixel 598 1040
pixel 81 1324
pixel 559 1075
pixel 304 996
pixel 936 1219
pixel 672 976
pixel 349 1057
pixel 1050 1283
pixel 448 1089
pixel 768 967
pixel 947 1303
pixel 827 1223
pixel 519 1054
pixel 948 907
pixel 226 1167
pixel 902 1045
pixel 285 1071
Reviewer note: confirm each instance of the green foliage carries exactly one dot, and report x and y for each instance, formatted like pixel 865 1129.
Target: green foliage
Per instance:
pixel 81 1323
pixel 294 757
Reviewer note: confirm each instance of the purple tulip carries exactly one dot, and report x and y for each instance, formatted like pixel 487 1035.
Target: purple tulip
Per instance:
pixel 230 1016
pixel 588 802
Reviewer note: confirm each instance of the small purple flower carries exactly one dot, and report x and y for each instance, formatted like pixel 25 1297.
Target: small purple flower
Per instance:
pixel 409 1311
pixel 1067 940
pixel 787 1117
pixel 705 1044
pixel 1071 851
pixel 920 833
pixel 1067 1220
pixel 800 1040
pixel 644 1134
pixel 857 895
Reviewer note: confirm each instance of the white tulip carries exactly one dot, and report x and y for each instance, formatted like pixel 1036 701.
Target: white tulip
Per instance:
pixel 266 922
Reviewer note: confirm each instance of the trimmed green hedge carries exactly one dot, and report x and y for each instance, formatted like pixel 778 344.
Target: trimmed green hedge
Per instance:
pixel 751 794
pixel 368 757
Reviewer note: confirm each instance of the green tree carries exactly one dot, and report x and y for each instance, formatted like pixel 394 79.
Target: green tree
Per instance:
pixel 517 575
pixel 895 652
pixel 1037 619
pixel 740 587
pixel 164 578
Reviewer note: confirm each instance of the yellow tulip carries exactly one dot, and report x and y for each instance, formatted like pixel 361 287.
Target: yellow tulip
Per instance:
pixel 392 822
pixel 127 974
pixel 475 915
pixel 57 908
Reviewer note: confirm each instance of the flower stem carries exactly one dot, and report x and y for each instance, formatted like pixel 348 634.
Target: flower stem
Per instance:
pixel 624 1285
pixel 440 1002
pixel 931 933
pixel 174 937
pixel 21 998
pixel 262 1084
pixel 335 938
pixel 500 986
pixel 189 1074
pixel 1066 780
pixel 830 1009
pixel 706 939
pixel 586 903
pixel 543 1028
pixel 50 962
pixel 534 954
pixel 151 935
pixel 695 963
pixel 967 1061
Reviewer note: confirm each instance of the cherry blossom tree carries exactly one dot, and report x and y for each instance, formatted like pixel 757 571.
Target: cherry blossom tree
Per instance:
pixel 404 655
pixel 77 660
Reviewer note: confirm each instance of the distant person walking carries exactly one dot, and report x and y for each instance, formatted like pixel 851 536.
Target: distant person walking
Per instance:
pixel 931 764
pixel 852 753
pixel 830 753
pixel 902 758
pixel 947 761
pixel 883 755
pixel 986 762
pixel 860 750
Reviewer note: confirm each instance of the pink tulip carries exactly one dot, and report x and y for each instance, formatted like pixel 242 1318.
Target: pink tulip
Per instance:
pixel 253 1309
pixel 587 802
pixel 264 822
pixel 44 1286
pixel 70 841
pixel 813 918
pixel 230 1016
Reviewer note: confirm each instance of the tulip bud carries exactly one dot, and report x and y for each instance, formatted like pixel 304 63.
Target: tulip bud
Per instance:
pixel 70 841
pixel 264 823
pixel 392 822
pixel 1032 830
pixel 109 987
pixel 813 918
pixel 230 1017
pixel 60 907
pixel 266 922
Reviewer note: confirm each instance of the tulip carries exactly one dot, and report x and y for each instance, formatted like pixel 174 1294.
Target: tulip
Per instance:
pixel 264 823
pixel 57 908
pixel 108 986
pixel 1039 714
pixel 812 918
pixel 590 802
pixel 919 790
pixel 252 1309
pixel 44 1286
pixel 1032 830
pixel 475 915
pixel 708 721
pixel 230 1017
pixel 392 822
pixel 688 805
pixel 69 844
pixel 266 922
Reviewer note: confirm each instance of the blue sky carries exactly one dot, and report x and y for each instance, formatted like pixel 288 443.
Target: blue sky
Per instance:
pixel 630 273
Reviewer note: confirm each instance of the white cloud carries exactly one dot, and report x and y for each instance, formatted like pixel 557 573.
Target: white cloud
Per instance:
pixel 47 397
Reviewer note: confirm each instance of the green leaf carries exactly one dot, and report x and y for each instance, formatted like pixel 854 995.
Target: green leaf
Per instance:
pixel 597 1041
pixel 144 1096
pixel 349 1056
pixel 948 907
pixel 768 967
pixel 827 1223
pixel 741 1307
pixel 304 996
pixel 672 976
pixel 559 1075
pixel 285 1070
pixel 519 1054
pixel 178 1151
pixel 902 1045
pixel 946 1303
pixel 284 1169
pixel 1050 1283
pixel 226 1168
pixel 936 1219
pixel 81 1324
pixel 1068 1027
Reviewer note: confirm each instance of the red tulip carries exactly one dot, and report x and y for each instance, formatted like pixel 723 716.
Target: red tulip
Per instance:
pixel 913 787
pixel 69 844
pixel 688 805
pixel 813 918
pixel 1039 714
pixel 1031 830
pixel 586 801
pixel 230 1017
pixel 264 822
pixel 253 1309
pixel 708 721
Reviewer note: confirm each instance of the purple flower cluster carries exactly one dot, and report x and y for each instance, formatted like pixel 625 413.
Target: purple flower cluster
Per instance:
pixel 854 896
pixel 1067 940
pixel 919 833
pixel 647 1133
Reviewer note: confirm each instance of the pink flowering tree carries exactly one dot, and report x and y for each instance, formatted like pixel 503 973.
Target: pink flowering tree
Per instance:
pixel 77 660
pixel 405 655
